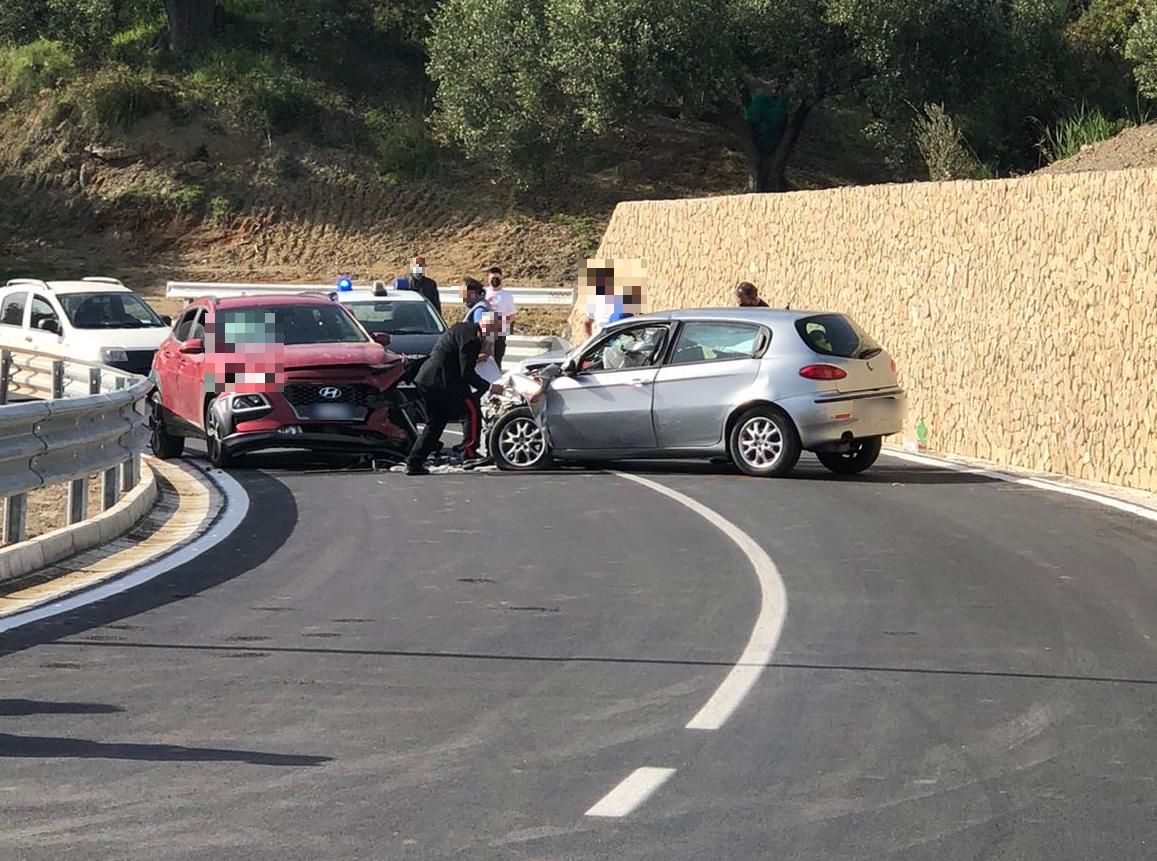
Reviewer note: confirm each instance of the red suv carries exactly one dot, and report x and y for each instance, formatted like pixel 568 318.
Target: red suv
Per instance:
pixel 251 373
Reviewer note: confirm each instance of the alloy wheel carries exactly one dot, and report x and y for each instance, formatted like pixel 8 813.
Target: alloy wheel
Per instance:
pixel 760 442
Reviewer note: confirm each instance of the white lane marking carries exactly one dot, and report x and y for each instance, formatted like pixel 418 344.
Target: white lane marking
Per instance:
pixel 236 507
pixel 634 789
pixel 1039 484
pixel 768 625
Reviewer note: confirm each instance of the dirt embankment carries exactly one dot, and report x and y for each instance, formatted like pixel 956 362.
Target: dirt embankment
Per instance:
pixel 186 200
pixel 1132 148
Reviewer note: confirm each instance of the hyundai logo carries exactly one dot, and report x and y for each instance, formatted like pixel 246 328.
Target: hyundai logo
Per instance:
pixel 330 393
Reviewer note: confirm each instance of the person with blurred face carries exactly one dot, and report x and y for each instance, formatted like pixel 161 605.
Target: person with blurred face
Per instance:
pixel 605 306
pixel 445 382
pixel 421 283
pixel 503 304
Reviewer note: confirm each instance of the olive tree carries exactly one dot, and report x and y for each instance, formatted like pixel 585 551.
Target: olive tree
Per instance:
pixel 525 81
pixel 1141 49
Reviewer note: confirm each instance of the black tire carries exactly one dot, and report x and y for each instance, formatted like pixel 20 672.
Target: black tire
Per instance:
pixel 217 454
pixel 517 444
pixel 764 443
pixel 165 445
pixel 863 454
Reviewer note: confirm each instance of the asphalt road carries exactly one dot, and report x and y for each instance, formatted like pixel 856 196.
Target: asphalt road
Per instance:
pixel 459 667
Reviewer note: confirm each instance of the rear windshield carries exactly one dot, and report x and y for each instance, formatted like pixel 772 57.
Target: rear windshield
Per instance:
pixel 287 324
pixel 836 335
pixel 397 317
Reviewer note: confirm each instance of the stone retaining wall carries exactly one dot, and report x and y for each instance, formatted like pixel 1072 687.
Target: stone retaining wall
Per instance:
pixel 1022 313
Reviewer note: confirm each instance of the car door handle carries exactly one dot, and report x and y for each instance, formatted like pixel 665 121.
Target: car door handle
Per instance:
pixel 640 381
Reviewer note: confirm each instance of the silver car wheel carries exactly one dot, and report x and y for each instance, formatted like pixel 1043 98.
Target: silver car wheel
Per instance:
pixel 522 443
pixel 760 442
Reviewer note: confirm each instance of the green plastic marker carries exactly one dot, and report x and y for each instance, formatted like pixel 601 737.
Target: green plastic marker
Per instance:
pixel 921 433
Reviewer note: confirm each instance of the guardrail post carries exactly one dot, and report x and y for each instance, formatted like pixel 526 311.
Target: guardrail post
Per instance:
pixel 130 472
pixel 109 494
pixel 5 374
pixel 94 381
pixel 58 378
pixel 77 501
pixel 15 518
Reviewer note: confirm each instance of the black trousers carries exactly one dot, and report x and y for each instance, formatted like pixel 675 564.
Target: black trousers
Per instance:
pixel 441 408
pixel 499 349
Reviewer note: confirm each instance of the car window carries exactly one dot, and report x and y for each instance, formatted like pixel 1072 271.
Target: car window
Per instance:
pixel 43 314
pixel 109 311
pixel 185 325
pixel 715 342
pixel 397 318
pixel 12 311
pixel 287 324
pixel 637 347
pixel 836 335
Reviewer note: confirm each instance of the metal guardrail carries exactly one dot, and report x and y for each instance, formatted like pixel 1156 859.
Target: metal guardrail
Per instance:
pixel 529 296
pixel 81 419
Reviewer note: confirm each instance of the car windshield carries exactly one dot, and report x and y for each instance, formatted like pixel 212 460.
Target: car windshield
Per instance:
pixel 109 311
pixel 836 335
pixel 397 317
pixel 287 324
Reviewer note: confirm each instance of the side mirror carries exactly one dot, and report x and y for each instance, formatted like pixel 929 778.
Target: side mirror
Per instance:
pixel 382 338
pixel 49 325
pixel 569 367
pixel 167 320
pixel 193 346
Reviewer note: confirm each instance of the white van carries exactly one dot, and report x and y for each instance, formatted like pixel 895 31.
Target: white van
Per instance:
pixel 93 320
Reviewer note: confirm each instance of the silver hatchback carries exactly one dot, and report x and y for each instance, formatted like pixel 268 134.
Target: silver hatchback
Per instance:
pixel 755 385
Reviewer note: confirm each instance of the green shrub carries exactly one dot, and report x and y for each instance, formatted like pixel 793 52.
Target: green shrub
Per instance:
pixel 120 96
pixel 132 46
pixel 1069 136
pixel 401 143
pixel 25 70
pixel 1141 50
pixel 942 146
pixel 156 196
pixel 255 90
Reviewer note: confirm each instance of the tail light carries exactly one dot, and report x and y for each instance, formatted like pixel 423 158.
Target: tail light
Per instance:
pixel 822 372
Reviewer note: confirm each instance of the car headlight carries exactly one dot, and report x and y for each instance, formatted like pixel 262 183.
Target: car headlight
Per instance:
pixel 108 355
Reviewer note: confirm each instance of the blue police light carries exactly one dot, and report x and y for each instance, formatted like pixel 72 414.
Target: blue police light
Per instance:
pixel 345 284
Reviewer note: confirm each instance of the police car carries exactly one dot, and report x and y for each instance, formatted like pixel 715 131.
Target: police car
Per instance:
pixel 412 323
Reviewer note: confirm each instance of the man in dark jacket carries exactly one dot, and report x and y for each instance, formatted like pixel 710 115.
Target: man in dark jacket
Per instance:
pixel 444 382
pixel 420 283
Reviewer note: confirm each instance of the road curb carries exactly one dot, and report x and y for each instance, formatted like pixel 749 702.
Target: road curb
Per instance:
pixel 1138 502
pixel 180 504
pixel 32 555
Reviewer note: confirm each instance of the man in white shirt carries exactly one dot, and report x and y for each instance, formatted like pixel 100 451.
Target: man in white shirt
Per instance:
pixel 605 305
pixel 503 304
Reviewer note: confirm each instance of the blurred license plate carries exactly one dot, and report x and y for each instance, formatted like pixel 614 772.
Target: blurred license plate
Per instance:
pixel 335 412
pixel 879 409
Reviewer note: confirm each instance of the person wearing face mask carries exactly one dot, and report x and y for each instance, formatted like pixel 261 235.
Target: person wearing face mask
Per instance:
pixel 419 283
pixel 503 304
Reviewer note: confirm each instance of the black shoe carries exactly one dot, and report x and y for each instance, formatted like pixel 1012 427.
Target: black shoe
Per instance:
pixel 416 469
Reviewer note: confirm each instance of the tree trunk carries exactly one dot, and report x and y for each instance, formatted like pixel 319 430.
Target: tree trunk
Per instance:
pixel 190 23
pixel 770 174
pixel 766 172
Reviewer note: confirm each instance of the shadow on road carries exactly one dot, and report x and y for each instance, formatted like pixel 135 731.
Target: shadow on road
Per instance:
pixel 45 747
pixel 808 470
pixel 271 520
pixel 266 649
pixel 23 708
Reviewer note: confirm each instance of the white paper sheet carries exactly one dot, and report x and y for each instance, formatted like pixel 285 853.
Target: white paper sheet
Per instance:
pixel 489 371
